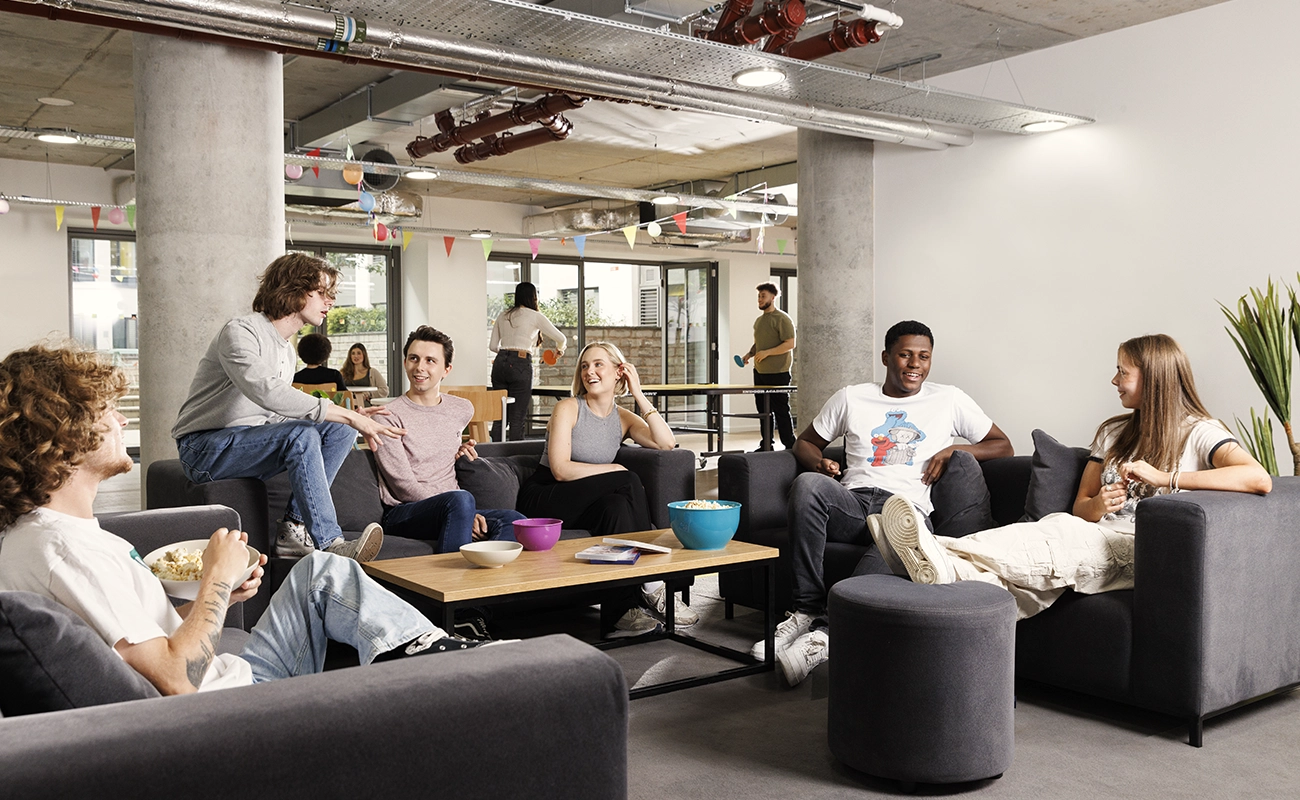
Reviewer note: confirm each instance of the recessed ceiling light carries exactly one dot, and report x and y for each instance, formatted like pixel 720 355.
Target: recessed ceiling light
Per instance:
pixel 758 76
pixel 665 200
pixel 480 234
pixel 1043 126
pixel 58 137
pixel 421 175
pixel 53 101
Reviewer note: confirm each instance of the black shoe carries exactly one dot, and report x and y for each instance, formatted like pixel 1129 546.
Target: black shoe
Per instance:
pixel 471 624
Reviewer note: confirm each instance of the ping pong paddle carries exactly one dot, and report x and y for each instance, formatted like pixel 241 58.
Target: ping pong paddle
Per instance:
pixel 549 357
pixel 740 362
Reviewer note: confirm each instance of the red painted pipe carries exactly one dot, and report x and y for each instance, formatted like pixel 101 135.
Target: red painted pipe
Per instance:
pixel 489 125
pixel 777 19
pixel 554 129
pixel 734 12
pixel 839 38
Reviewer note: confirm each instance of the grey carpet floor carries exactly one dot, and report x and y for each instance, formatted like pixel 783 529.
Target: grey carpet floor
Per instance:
pixel 756 738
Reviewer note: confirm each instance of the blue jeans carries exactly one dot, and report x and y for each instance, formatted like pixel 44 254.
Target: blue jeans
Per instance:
pixel 448 517
pixel 327 597
pixel 311 452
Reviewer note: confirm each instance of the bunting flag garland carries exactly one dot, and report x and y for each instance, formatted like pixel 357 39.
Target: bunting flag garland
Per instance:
pixel 629 233
pixel 406 239
pixel 130 215
pixel 680 219
pixel 580 242
pixel 94 217
pixel 564 240
pixel 447 242
pixel 315 168
pixel 780 246
pixel 487 248
pixel 534 245
pixel 761 231
pixel 350 156
pixel 58 217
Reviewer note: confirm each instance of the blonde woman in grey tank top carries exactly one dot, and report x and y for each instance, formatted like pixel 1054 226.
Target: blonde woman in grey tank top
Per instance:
pixel 578 480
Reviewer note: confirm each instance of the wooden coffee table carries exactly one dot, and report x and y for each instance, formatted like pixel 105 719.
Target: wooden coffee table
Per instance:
pixel 454 583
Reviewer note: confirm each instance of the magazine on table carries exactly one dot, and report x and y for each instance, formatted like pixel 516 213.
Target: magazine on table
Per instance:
pixel 609 554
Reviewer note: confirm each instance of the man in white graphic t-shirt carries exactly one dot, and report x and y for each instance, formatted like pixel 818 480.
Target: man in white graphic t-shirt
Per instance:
pixel 898 438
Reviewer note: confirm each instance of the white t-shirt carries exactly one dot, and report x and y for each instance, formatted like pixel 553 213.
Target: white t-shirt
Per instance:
pixel 889 440
pixel 1204 438
pixel 101 578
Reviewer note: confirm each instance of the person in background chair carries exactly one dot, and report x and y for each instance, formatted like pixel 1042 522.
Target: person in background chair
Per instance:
pixel 357 372
pixel 314 349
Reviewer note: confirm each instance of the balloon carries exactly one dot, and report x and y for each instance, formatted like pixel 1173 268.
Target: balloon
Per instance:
pixel 366 201
pixel 352 174
pixel 4 206
pixel 116 216
pixel 653 229
pixel 292 171
pixel 381 231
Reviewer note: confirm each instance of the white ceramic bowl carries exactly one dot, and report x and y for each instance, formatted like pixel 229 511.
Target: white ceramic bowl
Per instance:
pixel 189 590
pixel 491 554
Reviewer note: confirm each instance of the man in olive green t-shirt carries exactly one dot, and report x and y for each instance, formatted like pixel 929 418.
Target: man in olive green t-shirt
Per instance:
pixel 773 344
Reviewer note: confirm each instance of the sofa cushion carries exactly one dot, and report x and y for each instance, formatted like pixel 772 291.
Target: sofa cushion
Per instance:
pixel 494 481
pixel 961 498
pixel 50 660
pixel 1054 477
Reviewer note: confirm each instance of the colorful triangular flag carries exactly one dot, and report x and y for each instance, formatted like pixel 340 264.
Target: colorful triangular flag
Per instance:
pixel 447 242
pixel 315 168
pixel 58 217
pixel 94 217
pixel 130 215
pixel 629 233
pixel 780 246
pixel 760 239
pixel 580 242
pixel 487 248
pixel 680 219
pixel 534 245
pixel 350 156
pixel 406 239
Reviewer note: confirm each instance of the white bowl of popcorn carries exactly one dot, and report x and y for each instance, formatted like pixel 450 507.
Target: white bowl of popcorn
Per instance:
pixel 179 566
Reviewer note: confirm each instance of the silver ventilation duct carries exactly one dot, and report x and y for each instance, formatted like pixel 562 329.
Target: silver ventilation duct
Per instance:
pixel 519 43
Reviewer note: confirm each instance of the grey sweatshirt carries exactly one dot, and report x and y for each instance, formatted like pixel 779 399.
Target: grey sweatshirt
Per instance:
pixel 245 378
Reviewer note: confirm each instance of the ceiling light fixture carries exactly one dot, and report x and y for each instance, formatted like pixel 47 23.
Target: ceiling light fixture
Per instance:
pixel 758 76
pixel 53 101
pixel 58 137
pixel 1043 126
pixel 665 200
pixel 422 175
pixel 480 234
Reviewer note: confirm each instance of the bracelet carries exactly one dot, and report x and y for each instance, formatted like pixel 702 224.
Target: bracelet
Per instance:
pixel 646 415
pixel 1174 480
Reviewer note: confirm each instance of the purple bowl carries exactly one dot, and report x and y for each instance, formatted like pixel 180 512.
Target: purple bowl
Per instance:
pixel 537 534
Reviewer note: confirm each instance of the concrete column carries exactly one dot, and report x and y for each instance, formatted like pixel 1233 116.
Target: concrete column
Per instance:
pixel 210 207
pixel 837 287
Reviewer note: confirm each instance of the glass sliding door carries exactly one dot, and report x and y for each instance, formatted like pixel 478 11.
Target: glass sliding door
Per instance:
pixel 690 335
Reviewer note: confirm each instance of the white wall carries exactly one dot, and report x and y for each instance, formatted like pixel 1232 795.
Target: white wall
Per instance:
pixel 1033 257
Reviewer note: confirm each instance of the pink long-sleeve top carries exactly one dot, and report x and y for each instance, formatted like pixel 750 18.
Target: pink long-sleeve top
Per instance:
pixel 422 463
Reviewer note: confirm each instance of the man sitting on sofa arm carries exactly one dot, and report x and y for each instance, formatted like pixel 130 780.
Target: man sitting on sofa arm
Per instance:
pixel 422 499
pixel 898 438
pixel 61 436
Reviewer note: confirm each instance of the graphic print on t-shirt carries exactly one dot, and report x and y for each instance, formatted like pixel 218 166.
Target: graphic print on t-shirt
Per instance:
pixel 894 442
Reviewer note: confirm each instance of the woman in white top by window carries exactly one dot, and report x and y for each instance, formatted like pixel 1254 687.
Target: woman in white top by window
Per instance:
pixel 514 335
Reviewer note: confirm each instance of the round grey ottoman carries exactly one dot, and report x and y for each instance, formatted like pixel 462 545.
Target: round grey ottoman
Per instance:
pixel 922 679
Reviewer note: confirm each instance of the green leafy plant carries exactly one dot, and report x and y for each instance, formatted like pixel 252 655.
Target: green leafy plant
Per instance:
pixel 1264 334
pixel 1258 439
pixel 351 319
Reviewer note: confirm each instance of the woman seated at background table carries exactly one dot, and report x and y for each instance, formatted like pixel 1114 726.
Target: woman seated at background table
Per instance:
pixel 578 481
pixel 357 372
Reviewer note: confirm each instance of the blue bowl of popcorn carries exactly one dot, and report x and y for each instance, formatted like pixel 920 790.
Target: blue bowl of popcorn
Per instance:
pixel 704 524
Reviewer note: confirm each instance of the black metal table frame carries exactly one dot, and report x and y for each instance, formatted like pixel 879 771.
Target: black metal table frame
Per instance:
pixel 768 566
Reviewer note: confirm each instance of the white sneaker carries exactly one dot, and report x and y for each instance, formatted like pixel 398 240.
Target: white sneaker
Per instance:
pixel 915 546
pixel 292 539
pixel 800 658
pixel 635 622
pixel 794 625
pixel 876 525
pixel 683 616
pixel 364 548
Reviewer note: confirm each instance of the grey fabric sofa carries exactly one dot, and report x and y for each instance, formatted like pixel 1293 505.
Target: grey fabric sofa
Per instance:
pixel 545 717
pixel 493 480
pixel 1209 626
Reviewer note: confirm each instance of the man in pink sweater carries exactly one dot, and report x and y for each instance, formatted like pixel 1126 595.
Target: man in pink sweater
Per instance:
pixel 418 472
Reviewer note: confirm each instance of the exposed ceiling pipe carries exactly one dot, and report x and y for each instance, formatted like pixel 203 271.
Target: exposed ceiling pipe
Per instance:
pixel 488 124
pixel 779 19
pixel 733 12
pixel 842 36
pixel 554 129
pixel 284 25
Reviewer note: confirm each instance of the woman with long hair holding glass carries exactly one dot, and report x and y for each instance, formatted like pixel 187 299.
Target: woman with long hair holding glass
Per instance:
pixel 578 481
pixel 357 372
pixel 515 333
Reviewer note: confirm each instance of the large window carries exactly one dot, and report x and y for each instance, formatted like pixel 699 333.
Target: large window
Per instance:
pixel 105 312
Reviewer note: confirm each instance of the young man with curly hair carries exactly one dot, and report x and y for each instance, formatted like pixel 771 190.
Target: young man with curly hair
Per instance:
pixel 60 437
pixel 244 419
